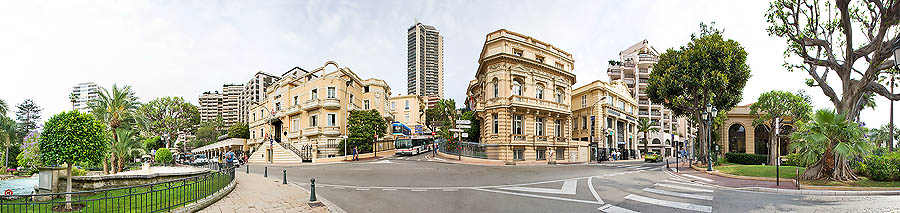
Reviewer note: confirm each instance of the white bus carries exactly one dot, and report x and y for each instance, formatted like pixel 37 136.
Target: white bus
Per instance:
pixel 412 145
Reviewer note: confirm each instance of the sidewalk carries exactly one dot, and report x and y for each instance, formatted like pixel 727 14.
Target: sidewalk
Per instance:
pixel 686 172
pixel 255 193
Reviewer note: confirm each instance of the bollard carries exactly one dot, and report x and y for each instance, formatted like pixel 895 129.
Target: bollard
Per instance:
pixel 312 189
pixel 798 178
pixel 248 168
pixel 667 163
pixel 284 177
pixel 266 172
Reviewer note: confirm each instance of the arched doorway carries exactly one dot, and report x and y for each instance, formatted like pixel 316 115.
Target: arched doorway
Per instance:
pixel 784 136
pixel 762 140
pixel 737 139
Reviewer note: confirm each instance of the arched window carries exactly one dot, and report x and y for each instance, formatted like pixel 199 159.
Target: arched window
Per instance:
pixel 784 139
pixel 539 92
pixel 736 139
pixel 517 87
pixel 559 95
pixel 761 144
pixel 496 88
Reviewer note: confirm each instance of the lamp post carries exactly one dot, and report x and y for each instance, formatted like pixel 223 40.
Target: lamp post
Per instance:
pixel 896 68
pixel 709 115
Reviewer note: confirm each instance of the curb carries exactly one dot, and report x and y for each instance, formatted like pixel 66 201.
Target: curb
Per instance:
pixel 206 202
pixel 804 190
pixel 328 204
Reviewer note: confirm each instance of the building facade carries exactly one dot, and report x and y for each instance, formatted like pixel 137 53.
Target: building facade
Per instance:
pixel 739 135
pixel 604 115
pixel 521 96
pixel 307 111
pixel 410 111
pixel 425 61
pixel 226 104
pixel 85 92
pixel 634 67
pixel 210 105
pixel 254 92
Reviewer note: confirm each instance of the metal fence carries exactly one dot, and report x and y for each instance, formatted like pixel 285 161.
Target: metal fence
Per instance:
pixel 155 197
pixel 468 149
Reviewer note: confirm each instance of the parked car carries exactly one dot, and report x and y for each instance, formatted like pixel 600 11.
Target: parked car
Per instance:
pixel 200 160
pixel 652 157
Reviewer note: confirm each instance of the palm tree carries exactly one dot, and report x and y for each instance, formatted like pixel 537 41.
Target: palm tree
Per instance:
pixel 73 98
pixel 114 107
pixel 126 144
pixel 830 140
pixel 645 126
pixel 3 108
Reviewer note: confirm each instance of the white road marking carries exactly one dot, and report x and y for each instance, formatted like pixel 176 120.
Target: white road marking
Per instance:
pixel 692 184
pixel 360 169
pixel 594 192
pixel 671 204
pixel 682 187
pixel 698 178
pixel 678 194
pixel 339 187
pixel 449 190
pixel 614 209
pixel 568 188
pixel 673 169
pixel 362 189
pixel 418 190
pixel 537 196
pixel 388 189
pixel 441 159
pixel 418 159
pixel 381 161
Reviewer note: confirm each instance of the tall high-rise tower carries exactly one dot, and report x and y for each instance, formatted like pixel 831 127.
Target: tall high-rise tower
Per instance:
pixel 425 61
pixel 84 93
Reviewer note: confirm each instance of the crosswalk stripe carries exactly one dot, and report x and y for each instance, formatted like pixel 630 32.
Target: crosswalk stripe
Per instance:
pixel 449 190
pixel 671 204
pixel 682 187
pixel 418 190
pixel 691 184
pixel 678 194
pixel 388 189
pixel 698 178
pixel 614 209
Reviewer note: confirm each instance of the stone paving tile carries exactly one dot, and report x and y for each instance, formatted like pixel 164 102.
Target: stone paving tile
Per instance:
pixel 255 193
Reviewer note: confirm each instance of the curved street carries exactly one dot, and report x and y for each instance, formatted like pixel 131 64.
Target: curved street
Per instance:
pixel 420 183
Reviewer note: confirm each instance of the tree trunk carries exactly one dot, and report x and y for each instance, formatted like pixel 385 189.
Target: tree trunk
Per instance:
pixel 69 186
pixel 773 145
pixel 830 167
pixel 121 163
pixel 703 150
pixel 105 166
pixel 646 143
pixel 112 160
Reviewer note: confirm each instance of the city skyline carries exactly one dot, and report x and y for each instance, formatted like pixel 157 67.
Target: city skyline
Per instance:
pixel 164 55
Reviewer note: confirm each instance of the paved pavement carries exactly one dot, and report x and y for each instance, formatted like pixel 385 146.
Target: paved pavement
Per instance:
pixel 417 183
pixel 688 173
pixel 254 193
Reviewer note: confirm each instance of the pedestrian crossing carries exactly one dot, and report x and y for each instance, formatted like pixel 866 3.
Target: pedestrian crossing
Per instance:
pixel 667 195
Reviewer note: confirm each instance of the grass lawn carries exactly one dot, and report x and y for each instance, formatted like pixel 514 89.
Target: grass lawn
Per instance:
pixel 788 172
pixel 139 199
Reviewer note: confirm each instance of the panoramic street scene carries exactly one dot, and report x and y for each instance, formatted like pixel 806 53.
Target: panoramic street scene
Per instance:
pixel 449 106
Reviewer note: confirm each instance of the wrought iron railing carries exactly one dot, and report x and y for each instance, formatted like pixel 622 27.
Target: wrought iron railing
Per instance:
pixel 468 149
pixel 155 197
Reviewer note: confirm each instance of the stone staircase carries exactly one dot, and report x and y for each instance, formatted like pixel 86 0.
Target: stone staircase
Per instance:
pixel 280 155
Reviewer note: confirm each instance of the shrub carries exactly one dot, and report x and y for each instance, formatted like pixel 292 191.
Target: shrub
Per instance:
pixel 793 159
pixel 78 172
pixel 163 156
pixel 882 168
pixel 746 159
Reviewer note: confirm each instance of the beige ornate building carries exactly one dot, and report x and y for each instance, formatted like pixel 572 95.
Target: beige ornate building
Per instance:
pixel 409 110
pixel 521 95
pixel 603 115
pixel 306 112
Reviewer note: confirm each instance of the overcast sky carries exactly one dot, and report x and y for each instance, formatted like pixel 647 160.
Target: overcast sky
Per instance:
pixel 183 48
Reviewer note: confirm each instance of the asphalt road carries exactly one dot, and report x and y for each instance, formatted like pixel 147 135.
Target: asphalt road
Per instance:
pixel 420 184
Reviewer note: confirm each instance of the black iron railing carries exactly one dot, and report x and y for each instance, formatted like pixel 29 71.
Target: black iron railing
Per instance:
pixel 468 149
pixel 154 197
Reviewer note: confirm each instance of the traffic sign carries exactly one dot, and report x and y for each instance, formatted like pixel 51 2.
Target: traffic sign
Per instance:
pixel 465 135
pixel 456 130
pixel 463 122
pixel 463 126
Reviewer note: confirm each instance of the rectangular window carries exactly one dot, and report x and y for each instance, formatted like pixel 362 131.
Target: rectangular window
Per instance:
pixel 560 65
pixel 295 125
pixel 253 134
pixel 558 128
pixel 366 104
pixel 496 90
pixel 393 105
pixel 541 154
pixel 366 89
pixel 351 99
pixel 610 100
pixel 518 52
pixel 584 101
pixel 407 105
pixel 496 124
pixel 584 122
pixel 407 117
pixel 254 116
pixel 540 59
pixel 560 153
pixel 277 106
pixel 261 132
pixel 295 100
pixel 517 124
pixel 519 154
pixel 539 127
pixel 574 124
pixel 313 120
pixel 314 94
pixel 331 92
pixel 332 120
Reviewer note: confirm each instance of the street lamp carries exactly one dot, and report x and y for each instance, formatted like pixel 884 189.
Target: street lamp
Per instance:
pixel 709 115
pixel 896 68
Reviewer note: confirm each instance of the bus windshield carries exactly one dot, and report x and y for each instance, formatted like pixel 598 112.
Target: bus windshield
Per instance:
pixel 403 143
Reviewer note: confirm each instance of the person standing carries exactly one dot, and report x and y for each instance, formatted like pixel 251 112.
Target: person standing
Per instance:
pixel 229 159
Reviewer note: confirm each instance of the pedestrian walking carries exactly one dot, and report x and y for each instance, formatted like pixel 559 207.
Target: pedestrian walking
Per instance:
pixel 229 159
pixel 355 153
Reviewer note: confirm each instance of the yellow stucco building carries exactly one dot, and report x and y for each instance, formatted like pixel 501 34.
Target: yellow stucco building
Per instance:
pixel 604 115
pixel 410 110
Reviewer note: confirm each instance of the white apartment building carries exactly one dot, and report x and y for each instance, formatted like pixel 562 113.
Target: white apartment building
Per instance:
pixel 255 92
pixel 85 92
pixel 425 61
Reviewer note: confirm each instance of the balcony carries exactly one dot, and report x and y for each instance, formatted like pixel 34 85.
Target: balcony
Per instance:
pixel 332 103
pixel 331 131
pixel 388 116
pixel 643 102
pixel 518 137
pixel 525 100
pixel 647 58
pixel 311 105
pixel 293 134
pixel 311 131
pixel 541 138
pixel 642 113
pixel 293 110
pixel 644 71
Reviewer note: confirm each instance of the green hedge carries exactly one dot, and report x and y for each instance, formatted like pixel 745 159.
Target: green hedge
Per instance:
pixel 882 167
pixel 746 159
